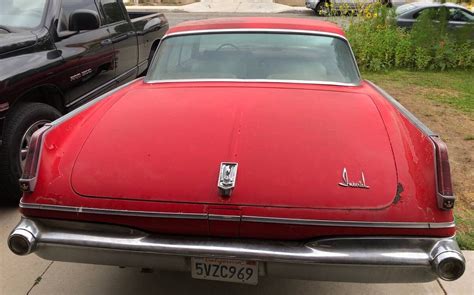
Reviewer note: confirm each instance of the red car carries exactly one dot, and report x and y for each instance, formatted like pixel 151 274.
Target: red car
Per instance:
pixel 252 148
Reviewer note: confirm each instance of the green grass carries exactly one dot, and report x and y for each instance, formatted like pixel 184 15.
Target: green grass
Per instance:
pixel 455 88
pixel 465 232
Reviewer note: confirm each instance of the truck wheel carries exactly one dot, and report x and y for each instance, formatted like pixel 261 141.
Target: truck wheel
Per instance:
pixel 323 8
pixel 21 123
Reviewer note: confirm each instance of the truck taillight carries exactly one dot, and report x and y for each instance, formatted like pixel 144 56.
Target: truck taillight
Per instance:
pixel 445 193
pixel 30 171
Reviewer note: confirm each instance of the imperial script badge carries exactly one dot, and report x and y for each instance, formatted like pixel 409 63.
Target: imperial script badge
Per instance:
pixel 346 183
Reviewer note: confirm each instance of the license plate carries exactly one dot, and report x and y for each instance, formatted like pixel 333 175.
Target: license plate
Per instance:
pixel 227 270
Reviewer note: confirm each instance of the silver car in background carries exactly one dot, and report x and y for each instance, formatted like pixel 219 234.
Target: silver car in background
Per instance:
pixel 325 7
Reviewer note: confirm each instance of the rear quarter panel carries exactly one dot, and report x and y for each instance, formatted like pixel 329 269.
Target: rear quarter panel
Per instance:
pixel 415 160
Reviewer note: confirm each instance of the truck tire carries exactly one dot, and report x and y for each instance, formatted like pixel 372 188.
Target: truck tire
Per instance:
pixel 20 124
pixel 323 9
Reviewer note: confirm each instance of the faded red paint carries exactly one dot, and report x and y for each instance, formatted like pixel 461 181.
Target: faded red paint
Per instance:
pixel 157 148
pixel 257 23
pixel 61 166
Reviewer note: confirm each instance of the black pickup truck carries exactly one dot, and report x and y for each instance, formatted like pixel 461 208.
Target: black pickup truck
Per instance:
pixel 56 55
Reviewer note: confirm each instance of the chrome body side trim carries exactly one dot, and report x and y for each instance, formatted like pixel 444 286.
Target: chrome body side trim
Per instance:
pixel 361 259
pixel 314 222
pixel 412 118
pixel 258 219
pixel 100 211
pixel 219 217
pixel 259 30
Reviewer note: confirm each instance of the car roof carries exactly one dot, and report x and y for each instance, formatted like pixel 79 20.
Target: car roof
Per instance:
pixel 251 23
pixel 427 4
pixel 411 8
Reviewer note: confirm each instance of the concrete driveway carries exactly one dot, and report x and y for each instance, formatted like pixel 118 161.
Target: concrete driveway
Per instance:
pixel 32 275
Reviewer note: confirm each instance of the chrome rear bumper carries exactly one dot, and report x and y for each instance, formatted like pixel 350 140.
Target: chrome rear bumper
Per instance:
pixel 357 259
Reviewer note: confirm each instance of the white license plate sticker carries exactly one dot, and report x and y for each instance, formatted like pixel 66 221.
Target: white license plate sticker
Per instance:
pixel 227 270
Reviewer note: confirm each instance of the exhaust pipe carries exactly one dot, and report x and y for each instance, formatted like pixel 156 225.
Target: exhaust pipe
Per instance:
pixel 449 265
pixel 21 242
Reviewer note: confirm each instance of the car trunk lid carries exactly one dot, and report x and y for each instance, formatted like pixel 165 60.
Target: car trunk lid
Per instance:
pixel 295 147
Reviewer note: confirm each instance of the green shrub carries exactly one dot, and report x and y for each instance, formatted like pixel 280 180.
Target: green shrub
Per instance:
pixel 380 45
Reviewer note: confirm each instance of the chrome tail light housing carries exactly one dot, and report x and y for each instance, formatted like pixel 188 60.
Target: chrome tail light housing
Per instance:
pixel 30 171
pixel 444 186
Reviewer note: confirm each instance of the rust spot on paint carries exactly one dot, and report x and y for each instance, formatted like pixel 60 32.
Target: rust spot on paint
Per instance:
pixel 398 194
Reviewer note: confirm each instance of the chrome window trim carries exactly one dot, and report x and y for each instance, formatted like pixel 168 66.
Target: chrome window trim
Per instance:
pixel 253 81
pixel 262 30
pixel 245 218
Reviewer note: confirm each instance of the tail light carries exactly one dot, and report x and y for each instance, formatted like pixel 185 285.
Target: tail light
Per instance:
pixel 444 185
pixel 30 171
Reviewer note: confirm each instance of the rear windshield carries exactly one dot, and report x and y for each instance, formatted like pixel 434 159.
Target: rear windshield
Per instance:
pixel 255 56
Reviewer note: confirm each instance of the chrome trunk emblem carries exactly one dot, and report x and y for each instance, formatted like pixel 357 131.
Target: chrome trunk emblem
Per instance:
pixel 227 177
pixel 346 183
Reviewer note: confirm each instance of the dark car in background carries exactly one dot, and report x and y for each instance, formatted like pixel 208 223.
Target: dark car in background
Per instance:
pixel 458 16
pixel 57 55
